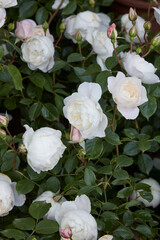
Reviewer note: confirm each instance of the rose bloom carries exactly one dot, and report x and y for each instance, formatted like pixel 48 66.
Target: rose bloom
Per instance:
pixel 44 147
pixel 2 16
pixel 155 191
pixel 127 25
pixel 157 14
pixel 75 220
pixel 128 93
pixel 75 135
pixel 84 112
pixel 25 28
pixel 8 3
pixel 56 201
pixel 57 3
pixel 102 46
pixel 85 23
pixel 9 196
pixel 106 237
pixel 38 31
pixel 138 67
pixel 38 52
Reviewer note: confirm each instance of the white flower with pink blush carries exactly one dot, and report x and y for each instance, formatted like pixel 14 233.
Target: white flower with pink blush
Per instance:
pixel 128 93
pixel 106 237
pixel 84 112
pixel 2 16
pixel 8 3
pixel 75 135
pixel 157 14
pixel 139 67
pixel 75 220
pixel 25 28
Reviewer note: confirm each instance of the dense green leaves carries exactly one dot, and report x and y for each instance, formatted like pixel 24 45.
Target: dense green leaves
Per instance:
pixel 47 227
pixel 16 76
pixel 94 148
pixel 24 186
pixel 38 209
pixel 149 108
pixel 24 223
pixel 13 233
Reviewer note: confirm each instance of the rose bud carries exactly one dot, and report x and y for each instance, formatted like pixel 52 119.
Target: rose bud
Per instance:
pixel 138 50
pixel 22 148
pixel 3 134
pixel 92 3
pixel 62 27
pixel 133 33
pixel 78 37
pixel 25 28
pixel 66 233
pixel 112 33
pixel 4 121
pixel 75 135
pixel 155 42
pixel 45 26
pixel 147 26
pixel 132 15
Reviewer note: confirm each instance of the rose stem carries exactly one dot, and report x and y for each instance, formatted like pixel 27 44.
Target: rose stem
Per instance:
pixel 117 57
pixel 131 47
pixel 114 116
pixel 59 39
pixel 55 13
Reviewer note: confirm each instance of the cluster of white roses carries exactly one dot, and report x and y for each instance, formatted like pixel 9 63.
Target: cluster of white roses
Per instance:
pixel 5 4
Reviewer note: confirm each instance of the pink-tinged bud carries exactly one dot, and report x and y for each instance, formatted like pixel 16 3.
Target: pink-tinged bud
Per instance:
pixel 3 134
pixel 132 15
pixel 112 32
pixel 22 148
pixel 4 121
pixel 75 135
pixel 133 32
pixel 155 41
pixel 25 28
pixel 66 233
pixel 147 26
pixel 78 37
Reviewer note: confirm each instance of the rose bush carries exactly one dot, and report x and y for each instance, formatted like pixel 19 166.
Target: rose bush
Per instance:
pixel 79 121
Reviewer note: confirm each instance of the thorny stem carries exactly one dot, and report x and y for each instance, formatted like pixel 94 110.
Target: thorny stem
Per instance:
pixel 55 13
pixel 59 39
pixel 117 57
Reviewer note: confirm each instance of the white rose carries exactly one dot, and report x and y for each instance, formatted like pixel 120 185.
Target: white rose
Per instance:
pixel 8 3
pixel 127 25
pixel 157 14
pixel 44 147
pixel 75 220
pixel 155 191
pixel 9 196
pixel 85 23
pixel 84 112
pixel 102 46
pixel 106 237
pixel 38 52
pixel 128 93
pixel 56 201
pixel 138 67
pixel 57 3
pixel 2 16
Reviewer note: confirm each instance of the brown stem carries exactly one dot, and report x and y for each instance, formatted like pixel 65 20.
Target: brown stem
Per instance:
pixel 131 47
pixel 55 13
pixel 59 39
pixel 146 53
pixel 149 10
pixel 8 145
pixel 14 56
pixel 11 137
pixel 117 57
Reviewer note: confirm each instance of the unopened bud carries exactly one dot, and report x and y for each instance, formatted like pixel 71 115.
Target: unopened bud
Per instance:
pixel 3 134
pixel 4 120
pixel 78 37
pixel 75 135
pixel 138 50
pixel 112 33
pixel 81 153
pixel 62 27
pixel 22 148
pixel 45 26
pixel 66 233
pixel 92 3
pixel 147 26
pixel 11 26
pixel 133 33
pixel 155 41
pixel 132 15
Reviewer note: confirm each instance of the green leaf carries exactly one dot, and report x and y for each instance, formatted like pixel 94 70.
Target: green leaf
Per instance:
pixel 131 149
pixel 105 170
pixel 49 112
pixel 13 233
pixel 26 101
pixel 86 190
pixel 157 62
pixel 128 218
pixel 38 209
pixel 112 137
pixel 120 174
pixel 35 111
pixel 16 76
pixel 27 9
pixel 109 206
pixel 124 232
pixel 89 177
pixel 143 145
pixel 149 108
pixel 24 186
pixel 7 163
pixel 109 215
pixel 101 79
pixel 145 163
pixel 132 203
pixel 125 192
pixel 27 223
pixel 37 79
pixel 1 52
pixel 92 69
pixel 145 215
pixel 142 186
pixel 130 132
pixel 144 230
pixel 75 57
pixel 157 139
pixel 57 66
pixel 94 148
pixel 71 164
pixel 124 161
pixel 70 8
pixel 79 73
pixel 41 15
pixel 146 195
pixel 47 227
pixel 111 62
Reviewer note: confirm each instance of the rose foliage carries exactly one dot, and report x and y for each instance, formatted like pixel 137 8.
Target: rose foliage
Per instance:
pixel 79 121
